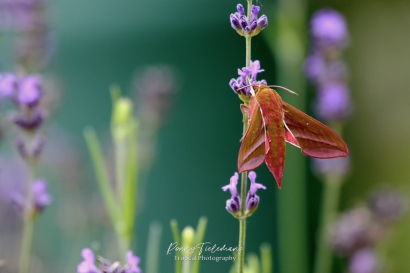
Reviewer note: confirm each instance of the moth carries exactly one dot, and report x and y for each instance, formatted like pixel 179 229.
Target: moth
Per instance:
pixel 272 122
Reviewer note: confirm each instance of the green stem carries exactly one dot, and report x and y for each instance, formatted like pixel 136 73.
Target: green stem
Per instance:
pixel 244 178
pixel 331 194
pixel 153 247
pixel 177 240
pixel 28 222
pixel 242 223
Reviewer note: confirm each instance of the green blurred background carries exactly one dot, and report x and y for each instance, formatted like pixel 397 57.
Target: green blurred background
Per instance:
pixel 105 42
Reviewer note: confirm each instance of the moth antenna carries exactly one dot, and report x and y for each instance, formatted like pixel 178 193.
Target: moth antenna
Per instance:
pixel 251 86
pixel 284 88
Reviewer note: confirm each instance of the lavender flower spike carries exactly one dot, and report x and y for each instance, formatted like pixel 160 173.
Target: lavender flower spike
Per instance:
pixel 132 262
pixel 233 205
pixel 252 200
pixel 87 266
pixel 241 85
pixel 245 27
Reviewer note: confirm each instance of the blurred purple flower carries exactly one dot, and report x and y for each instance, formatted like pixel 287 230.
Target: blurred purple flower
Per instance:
pixel 246 27
pixel 8 85
pixel 132 262
pixel 87 266
pixel 333 103
pixel 30 91
pixel 328 29
pixel 240 85
pixel 351 231
pixel 387 205
pixel 41 197
pixel 364 261
pixel 339 166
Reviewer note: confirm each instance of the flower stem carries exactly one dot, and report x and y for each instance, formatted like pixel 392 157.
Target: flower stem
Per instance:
pixel 28 222
pixel 331 194
pixel 244 178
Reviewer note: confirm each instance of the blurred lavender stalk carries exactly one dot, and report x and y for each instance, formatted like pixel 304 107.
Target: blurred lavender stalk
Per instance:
pixel 154 87
pixel 120 201
pixel 328 74
pixel 28 21
pixel 356 233
pixel 287 43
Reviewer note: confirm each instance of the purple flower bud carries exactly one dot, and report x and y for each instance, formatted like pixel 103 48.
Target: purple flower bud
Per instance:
pixel 253 26
pixel 364 261
pixel 41 197
pixel 30 91
pixel 240 9
pixel 8 85
pixel 29 123
pixel 262 22
pixel 252 200
pixel 244 22
pixel 235 23
pixel 387 206
pixel 315 68
pixel 87 266
pixel 328 28
pixel 333 102
pixel 233 204
pixel 254 13
pixel 132 262
pixel 252 203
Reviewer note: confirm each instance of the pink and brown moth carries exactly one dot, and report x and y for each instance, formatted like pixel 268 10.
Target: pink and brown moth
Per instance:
pixel 271 123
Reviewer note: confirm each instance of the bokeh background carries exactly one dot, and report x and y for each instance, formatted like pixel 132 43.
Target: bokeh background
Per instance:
pixel 97 43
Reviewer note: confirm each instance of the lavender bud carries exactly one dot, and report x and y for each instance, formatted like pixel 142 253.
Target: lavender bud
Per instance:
pixel 235 23
pixel 244 22
pixel 364 261
pixel 30 91
pixel 8 85
pixel 41 197
pixel 252 203
pixel 254 13
pixel 253 26
pixel 262 22
pixel 240 9
pixel 29 123
pixel 333 102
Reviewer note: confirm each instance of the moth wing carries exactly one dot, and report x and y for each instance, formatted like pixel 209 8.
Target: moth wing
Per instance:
pixel 252 151
pixel 313 137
